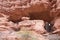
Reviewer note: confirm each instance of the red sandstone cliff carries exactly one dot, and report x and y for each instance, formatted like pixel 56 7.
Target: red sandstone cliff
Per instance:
pixel 38 9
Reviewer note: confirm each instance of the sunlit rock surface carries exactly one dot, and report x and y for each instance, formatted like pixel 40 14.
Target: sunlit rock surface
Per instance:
pixel 36 25
pixel 5 24
pixel 20 8
pixel 57 25
pixel 13 10
pixel 27 31
pixel 22 35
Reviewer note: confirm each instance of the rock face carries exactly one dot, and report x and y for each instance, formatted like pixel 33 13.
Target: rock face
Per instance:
pixel 27 35
pixel 39 26
pixel 22 35
pixel 57 25
pixel 34 9
pixel 34 25
pixel 39 11
pixel 5 24
pixel 7 31
pixel 17 15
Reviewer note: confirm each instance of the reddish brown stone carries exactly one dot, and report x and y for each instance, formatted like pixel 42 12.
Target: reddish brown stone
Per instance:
pixel 37 11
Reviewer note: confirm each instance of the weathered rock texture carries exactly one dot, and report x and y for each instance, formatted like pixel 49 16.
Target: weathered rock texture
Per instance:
pixel 57 25
pixel 36 9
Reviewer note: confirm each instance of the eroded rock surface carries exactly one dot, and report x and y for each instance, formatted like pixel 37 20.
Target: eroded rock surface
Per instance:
pixel 36 9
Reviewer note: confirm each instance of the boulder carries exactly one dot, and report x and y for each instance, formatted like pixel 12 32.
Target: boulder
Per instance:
pixel 34 25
